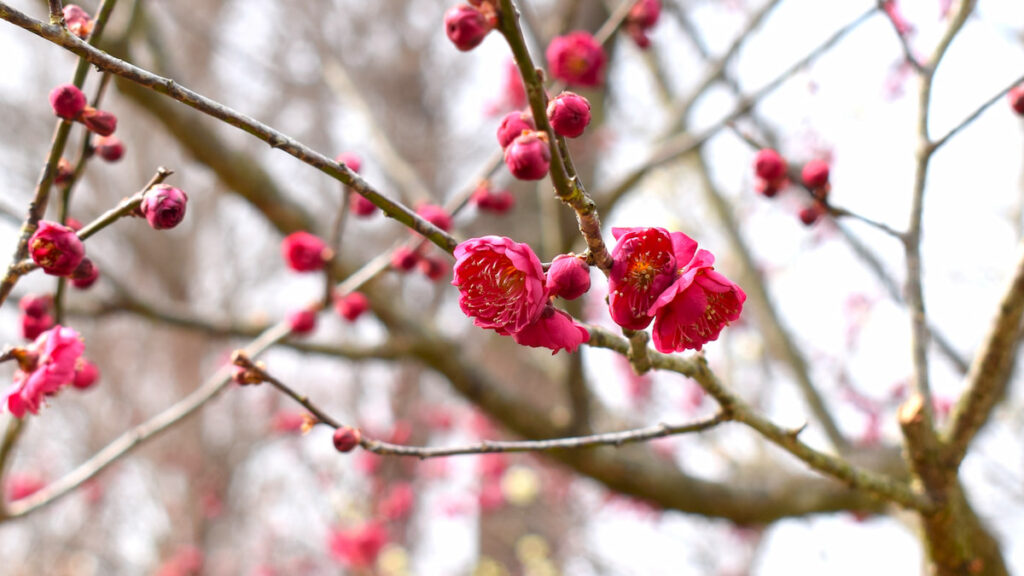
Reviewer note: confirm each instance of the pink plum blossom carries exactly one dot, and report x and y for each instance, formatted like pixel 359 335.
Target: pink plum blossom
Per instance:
pixel 58 351
pixel 501 283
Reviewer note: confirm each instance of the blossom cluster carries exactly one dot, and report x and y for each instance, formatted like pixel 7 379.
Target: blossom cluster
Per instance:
pixel 663 276
pixel 503 287
pixel 48 365
pixel 655 276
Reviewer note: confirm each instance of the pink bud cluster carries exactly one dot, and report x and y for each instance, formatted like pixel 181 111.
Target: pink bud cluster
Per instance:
pixel 504 288
pixel 52 362
pixel 664 277
pixel 36 315
pixel 488 200
pixel 468 24
pixel 771 171
pixel 69 103
pixel 641 18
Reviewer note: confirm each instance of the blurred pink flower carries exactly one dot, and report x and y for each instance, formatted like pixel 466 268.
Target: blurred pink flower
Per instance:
pixel 359 546
pixel 576 59
pixel 58 352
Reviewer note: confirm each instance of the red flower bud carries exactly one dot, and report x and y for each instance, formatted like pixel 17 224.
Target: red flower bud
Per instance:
pixel 488 200
pixel 110 148
pixel 769 165
pixel 346 439
pixel 569 114
pixel 568 277
pixel 349 159
pixel 433 268
pixel 67 101
pixel 78 21
pixel 85 275
pixel 435 215
pixel 33 326
pixel 64 172
pixel 512 125
pixel 351 306
pixel 810 214
pixel 644 13
pixel 404 258
pixel 98 121
pixel 576 59
pixel 766 188
pixel 1016 96
pixel 56 249
pixel 360 206
pixel 86 374
pixel 302 321
pixel 304 252
pixel 815 174
pixel 466 26
pixel 73 224
pixel 639 35
pixel 164 206
pixel 528 156
pixel 36 305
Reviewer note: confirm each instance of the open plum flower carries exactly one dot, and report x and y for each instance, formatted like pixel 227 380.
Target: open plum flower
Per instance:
pixel 58 351
pixel 695 308
pixel 643 265
pixel 502 287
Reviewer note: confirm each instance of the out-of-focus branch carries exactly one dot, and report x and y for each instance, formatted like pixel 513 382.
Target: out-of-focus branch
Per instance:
pixel 15 426
pixel 756 289
pixel 395 165
pixel 274 138
pixel 684 143
pixel 938 143
pixel 990 371
pixel 639 472
pixel 901 35
pixel 788 439
pixel 681 110
pixel 875 265
pixel 912 238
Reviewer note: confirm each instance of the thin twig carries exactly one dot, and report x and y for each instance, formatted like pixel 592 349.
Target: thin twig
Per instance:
pixel 274 138
pixel 424 452
pixel 939 143
pixel 696 368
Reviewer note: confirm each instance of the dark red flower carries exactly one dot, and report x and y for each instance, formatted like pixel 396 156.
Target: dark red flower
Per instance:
pixel 643 265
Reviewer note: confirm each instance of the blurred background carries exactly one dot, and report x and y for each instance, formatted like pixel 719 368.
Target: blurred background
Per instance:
pixel 240 489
